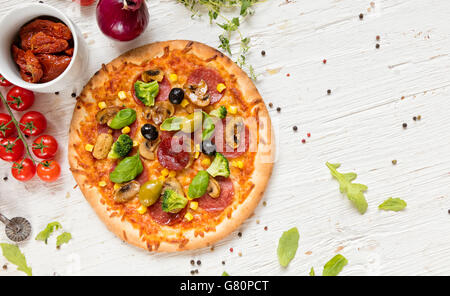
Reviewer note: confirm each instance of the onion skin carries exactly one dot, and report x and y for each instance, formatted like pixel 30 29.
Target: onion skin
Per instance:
pixel 122 20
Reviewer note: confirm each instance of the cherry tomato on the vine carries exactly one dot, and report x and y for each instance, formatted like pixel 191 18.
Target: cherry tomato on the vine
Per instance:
pixel 48 170
pixel 23 170
pixel 45 147
pixel 4 82
pixel 7 127
pixel 11 149
pixel 33 123
pixel 20 99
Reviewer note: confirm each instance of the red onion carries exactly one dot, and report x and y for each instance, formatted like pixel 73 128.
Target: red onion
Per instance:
pixel 122 20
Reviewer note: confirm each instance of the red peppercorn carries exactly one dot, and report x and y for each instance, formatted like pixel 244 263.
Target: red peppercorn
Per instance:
pixel 303 141
pixel 309 135
pixel 324 61
pixel 231 250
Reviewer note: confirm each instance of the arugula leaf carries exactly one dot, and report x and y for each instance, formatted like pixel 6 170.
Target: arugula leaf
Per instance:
pixel 287 246
pixel 393 204
pixel 312 272
pixel 13 254
pixel 354 191
pixel 225 273
pixel 45 234
pixel 64 238
pixel 334 266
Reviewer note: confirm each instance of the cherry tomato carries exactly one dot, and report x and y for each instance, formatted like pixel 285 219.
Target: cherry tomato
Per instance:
pixel 45 147
pixel 11 149
pixel 33 123
pixel 20 99
pixel 7 127
pixel 48 170
pixel 23 170
pixel 4 82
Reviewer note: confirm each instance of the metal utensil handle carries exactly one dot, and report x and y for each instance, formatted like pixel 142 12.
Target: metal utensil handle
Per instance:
pixel 4 220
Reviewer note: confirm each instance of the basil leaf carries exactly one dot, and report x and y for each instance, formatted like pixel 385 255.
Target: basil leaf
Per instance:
pixel 287 246
pixel 393 204
pixel 208 127
pixel 64 238
pixel 146 92
pixel 123 118
pixel 199 184
pixel 334 266
pixel 13 254
pixel 127 169
pixel 45 234
pixel 172 124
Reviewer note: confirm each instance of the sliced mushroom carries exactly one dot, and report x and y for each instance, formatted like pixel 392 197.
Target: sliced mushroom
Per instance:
pixel 159 112
pixel 197 94
pixel 153 74
pixel 102 146
pixel 173 184
pixel 213 189
pixel 127 191
pixel 147 149
pixel 233 130
pixel 106 115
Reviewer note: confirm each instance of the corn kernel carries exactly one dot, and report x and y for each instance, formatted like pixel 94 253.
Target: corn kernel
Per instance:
pixel 194 205
pixel 126 130
pixel 122 95
pixel 173 77
pixel 184 103
pixel 102 183
pixel 117 186
pixel 172 174
pixel 165 172
pixel 188 216
pixel 89 147
pixel 206 162
pixel 135 143
pixel 238 164
pixel 221 87
pixel 162 178
pixel 232 109
pixel 102 105
pixel 142 209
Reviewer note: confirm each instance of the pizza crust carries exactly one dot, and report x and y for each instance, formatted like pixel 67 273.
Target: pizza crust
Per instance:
pixel 263 159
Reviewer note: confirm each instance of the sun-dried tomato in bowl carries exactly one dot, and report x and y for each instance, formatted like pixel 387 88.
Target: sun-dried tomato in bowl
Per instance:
pixel 43 50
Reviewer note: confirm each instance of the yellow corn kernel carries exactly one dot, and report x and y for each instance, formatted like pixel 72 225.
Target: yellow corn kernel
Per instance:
pixel 126 130
pixel 89 147
pixel 102 105
pixel 172 174
pixel 232 109
pixel 173 77
pixel 162 178
pixel 197 151
pixel 184 103
pixel 102 183
pixel 142 209
pixel 238 164
pixel 206 162
pixel 135 143
pixel 188 216
pixel 117 186
pixel 194 205
pixel 221 87
pixel 122 95
pixel 165 172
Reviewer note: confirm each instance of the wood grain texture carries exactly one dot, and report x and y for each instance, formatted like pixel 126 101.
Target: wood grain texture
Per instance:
pixel 359 124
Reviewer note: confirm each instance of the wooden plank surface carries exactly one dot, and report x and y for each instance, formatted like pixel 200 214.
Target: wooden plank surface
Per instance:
pixel 359 124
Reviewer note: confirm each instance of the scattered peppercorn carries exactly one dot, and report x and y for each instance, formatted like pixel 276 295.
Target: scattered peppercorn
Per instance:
pixel 324 61
pixel 270 105
pixel 5 267
pixel 278 109
pixel 419 117
pixel 192 262
pixel 405 125
pixel 394 161
pixel 57 93
pixel 265 228
pixel 361 16
pixel 264 203
pixel 5 179
pixel 199 262
pixel 329 91
pixel 240 254
pixel 377 38
pixel 240 234
pixel 288 74
pixel 257 221
pixel 223 262
pixel 74 95
pixel 309 135
pixel 402 98
pixel 414 118
pixel 263 53
pixel 192 272
pixel 41 2
pixel 231 250
pixel 196 271
pixel 448 212
pixel 295 128
pixel 377 46
pixel 303 141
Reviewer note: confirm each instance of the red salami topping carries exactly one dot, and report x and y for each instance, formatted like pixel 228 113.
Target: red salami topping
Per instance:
pixel 225 198
pixel 211 77
pixel 173 157
pixel 227 150
pixel 102 128
pixel 162 217
pixel 164 90
pixel 143 177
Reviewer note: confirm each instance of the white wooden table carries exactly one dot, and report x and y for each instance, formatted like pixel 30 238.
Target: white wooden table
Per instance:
pixel 359 124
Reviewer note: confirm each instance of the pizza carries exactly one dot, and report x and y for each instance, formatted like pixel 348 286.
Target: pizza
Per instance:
pixel 172 145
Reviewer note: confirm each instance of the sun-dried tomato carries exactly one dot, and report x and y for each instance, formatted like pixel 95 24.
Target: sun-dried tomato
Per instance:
pixel 43 43
pixel 53 65
pixel 30 67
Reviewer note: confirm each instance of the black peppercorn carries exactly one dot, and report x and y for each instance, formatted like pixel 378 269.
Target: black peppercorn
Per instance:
pixel 278 109
pixel 74 95
pixel 199 262
pixel 263 53
pixel 361 16
pixel 192 262
pixel 295 128
pixel 329 91
pixel 405 125
pixel 377 46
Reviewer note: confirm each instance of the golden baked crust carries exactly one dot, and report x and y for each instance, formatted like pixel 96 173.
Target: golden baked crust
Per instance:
pixel 117 220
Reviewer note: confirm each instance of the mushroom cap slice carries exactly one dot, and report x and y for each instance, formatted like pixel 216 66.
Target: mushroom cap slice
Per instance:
pixel 127 192
pixel 197 94
pixel 213 188
pixel 147 149
pixel 159 112
pixel 152 74
pixel 107 114
pixel 172 183
pixel 234 127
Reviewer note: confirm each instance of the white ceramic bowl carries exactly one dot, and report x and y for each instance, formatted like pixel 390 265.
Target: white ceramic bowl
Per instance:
pixel 11 24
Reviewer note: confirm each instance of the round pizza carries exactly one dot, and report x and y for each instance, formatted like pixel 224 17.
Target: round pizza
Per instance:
pixel 172 145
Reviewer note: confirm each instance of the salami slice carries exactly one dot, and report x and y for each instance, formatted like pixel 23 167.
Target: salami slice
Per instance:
pixel 163 218
pixel 226 150
pixel 164 90
pixel 225 198
pixel 212 79
pixel 171 157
